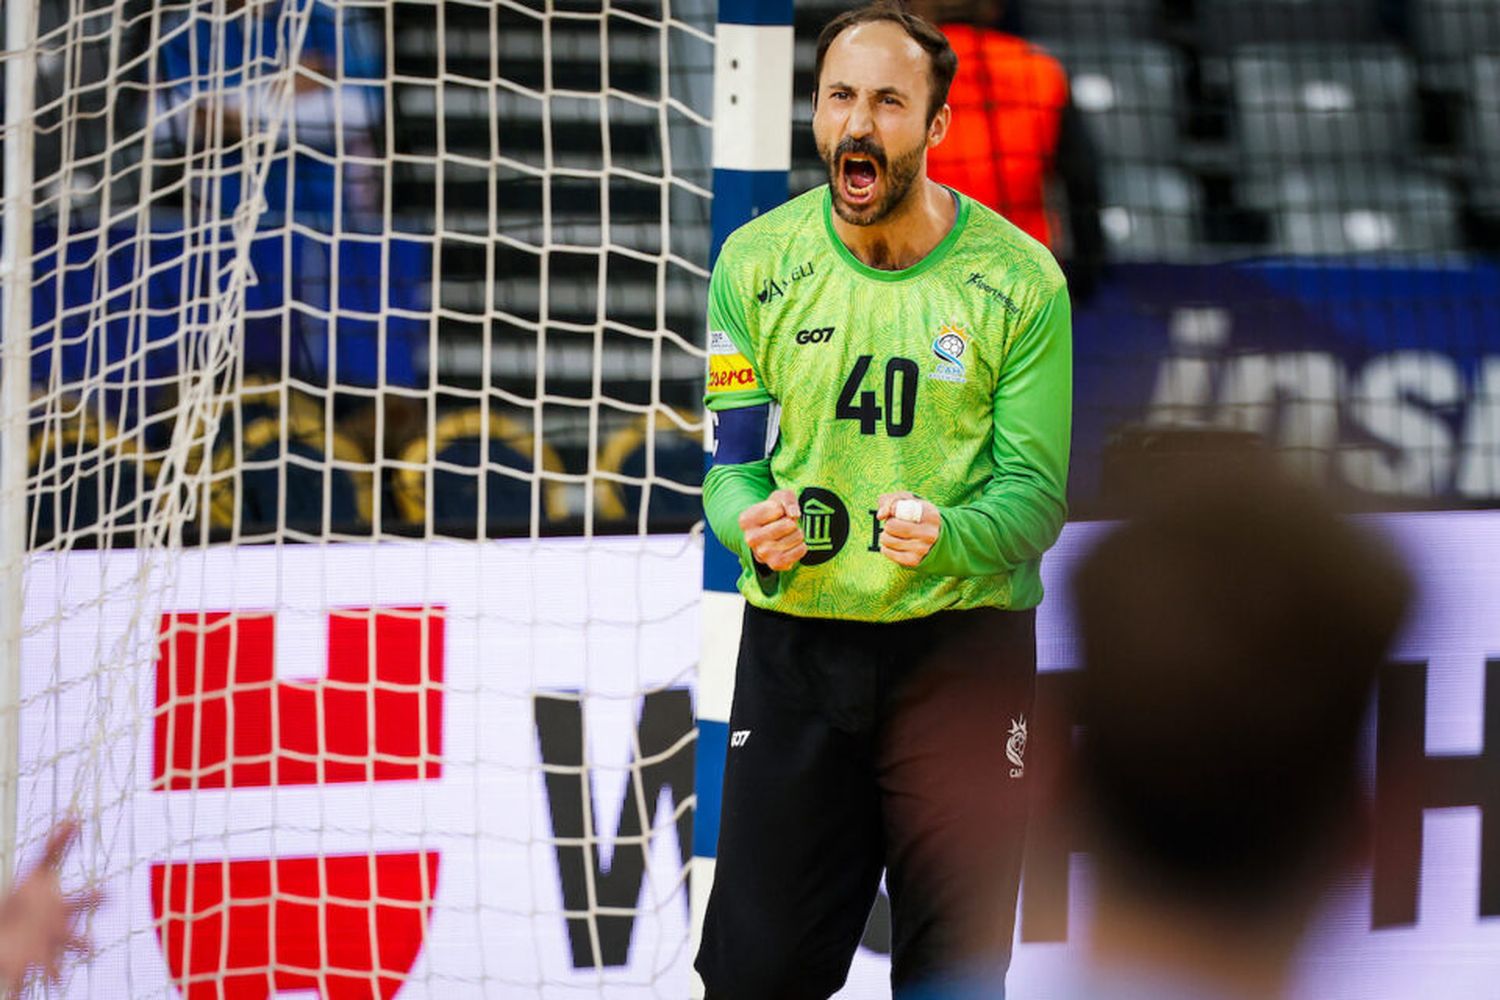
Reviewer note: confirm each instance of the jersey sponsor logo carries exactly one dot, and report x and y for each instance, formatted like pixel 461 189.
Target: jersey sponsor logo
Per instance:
pixel 824 523
pixel 815 335
pixel 1015 747
pixel 977 281
pixel 774 288
pixel 950 345
pixel 730 373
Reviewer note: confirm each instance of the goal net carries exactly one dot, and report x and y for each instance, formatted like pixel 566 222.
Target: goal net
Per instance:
pixel 351 440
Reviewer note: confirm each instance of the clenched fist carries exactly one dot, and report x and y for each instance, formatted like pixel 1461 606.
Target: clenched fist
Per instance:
pixel 907 540
pixel 772 532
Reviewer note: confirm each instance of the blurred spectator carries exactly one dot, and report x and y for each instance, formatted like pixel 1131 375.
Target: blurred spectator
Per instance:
pixel 37 922
pixel 221 64
pixel 1231 634
pixel 1014 131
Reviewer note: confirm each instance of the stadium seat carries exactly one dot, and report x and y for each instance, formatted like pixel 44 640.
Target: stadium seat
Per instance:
pixel 1483 132
pixel 813 14
pixel 286 455
pixel 1225 24
pixel 1302 104
pixel 79 89
pixel 488 200
pixel 454 458
pixel 1130 93
pixel 1109 20
pixel 1150 213
pixel 1448 33
pixel 80 468
pixel 1370 212
pixel 570 58
pixel 678 455
pixel 569 231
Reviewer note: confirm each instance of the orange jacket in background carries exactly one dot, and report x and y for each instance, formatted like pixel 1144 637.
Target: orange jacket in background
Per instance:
pixel 1007 101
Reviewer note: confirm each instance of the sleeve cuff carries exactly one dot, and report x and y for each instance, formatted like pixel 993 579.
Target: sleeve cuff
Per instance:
pixel 768 578
pixel 939 560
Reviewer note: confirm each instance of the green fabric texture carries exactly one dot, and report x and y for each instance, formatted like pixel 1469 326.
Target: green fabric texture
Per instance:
pixel 728 490
pixel 951 379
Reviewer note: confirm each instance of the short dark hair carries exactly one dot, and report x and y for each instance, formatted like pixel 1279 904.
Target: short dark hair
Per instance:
pixel 942 61
pixel 1232 633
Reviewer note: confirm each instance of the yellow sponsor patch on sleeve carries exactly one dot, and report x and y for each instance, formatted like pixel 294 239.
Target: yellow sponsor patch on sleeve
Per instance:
pixel 730 373
pixel 728 369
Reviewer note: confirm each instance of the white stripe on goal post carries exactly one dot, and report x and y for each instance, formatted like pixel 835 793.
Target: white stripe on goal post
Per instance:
pixel 752 158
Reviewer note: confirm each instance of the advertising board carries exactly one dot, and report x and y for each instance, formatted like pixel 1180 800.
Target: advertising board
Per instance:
pixel 360 770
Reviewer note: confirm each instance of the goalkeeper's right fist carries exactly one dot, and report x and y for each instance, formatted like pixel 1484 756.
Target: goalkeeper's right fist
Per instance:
pixel 772 531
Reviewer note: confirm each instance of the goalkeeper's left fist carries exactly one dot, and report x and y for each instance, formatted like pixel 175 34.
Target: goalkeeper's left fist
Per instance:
pixel 907 540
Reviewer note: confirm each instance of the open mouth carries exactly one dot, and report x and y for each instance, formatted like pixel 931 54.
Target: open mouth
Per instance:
pixel 858 178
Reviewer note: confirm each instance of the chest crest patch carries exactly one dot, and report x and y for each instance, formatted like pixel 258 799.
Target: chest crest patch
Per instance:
pixel 951 345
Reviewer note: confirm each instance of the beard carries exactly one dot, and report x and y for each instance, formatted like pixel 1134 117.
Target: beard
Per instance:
pixel 896 177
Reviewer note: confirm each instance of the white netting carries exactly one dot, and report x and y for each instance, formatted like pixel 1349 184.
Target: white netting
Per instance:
pixel 352 328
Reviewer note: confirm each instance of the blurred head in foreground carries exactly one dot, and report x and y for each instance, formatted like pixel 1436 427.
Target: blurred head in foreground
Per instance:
pixel 1232 629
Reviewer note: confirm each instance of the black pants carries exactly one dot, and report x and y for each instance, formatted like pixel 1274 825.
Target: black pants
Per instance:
pixel 858 747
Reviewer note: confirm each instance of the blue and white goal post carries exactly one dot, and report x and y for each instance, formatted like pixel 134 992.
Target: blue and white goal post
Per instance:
pixel 752 157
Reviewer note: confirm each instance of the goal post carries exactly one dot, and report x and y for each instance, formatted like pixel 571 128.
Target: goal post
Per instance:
pixel 15 260
pixel 752 156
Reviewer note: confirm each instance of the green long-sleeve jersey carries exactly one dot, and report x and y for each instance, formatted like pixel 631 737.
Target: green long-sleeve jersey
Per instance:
pixel 951 379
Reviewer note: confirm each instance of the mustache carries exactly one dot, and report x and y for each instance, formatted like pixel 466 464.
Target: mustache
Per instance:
pixel 862 147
